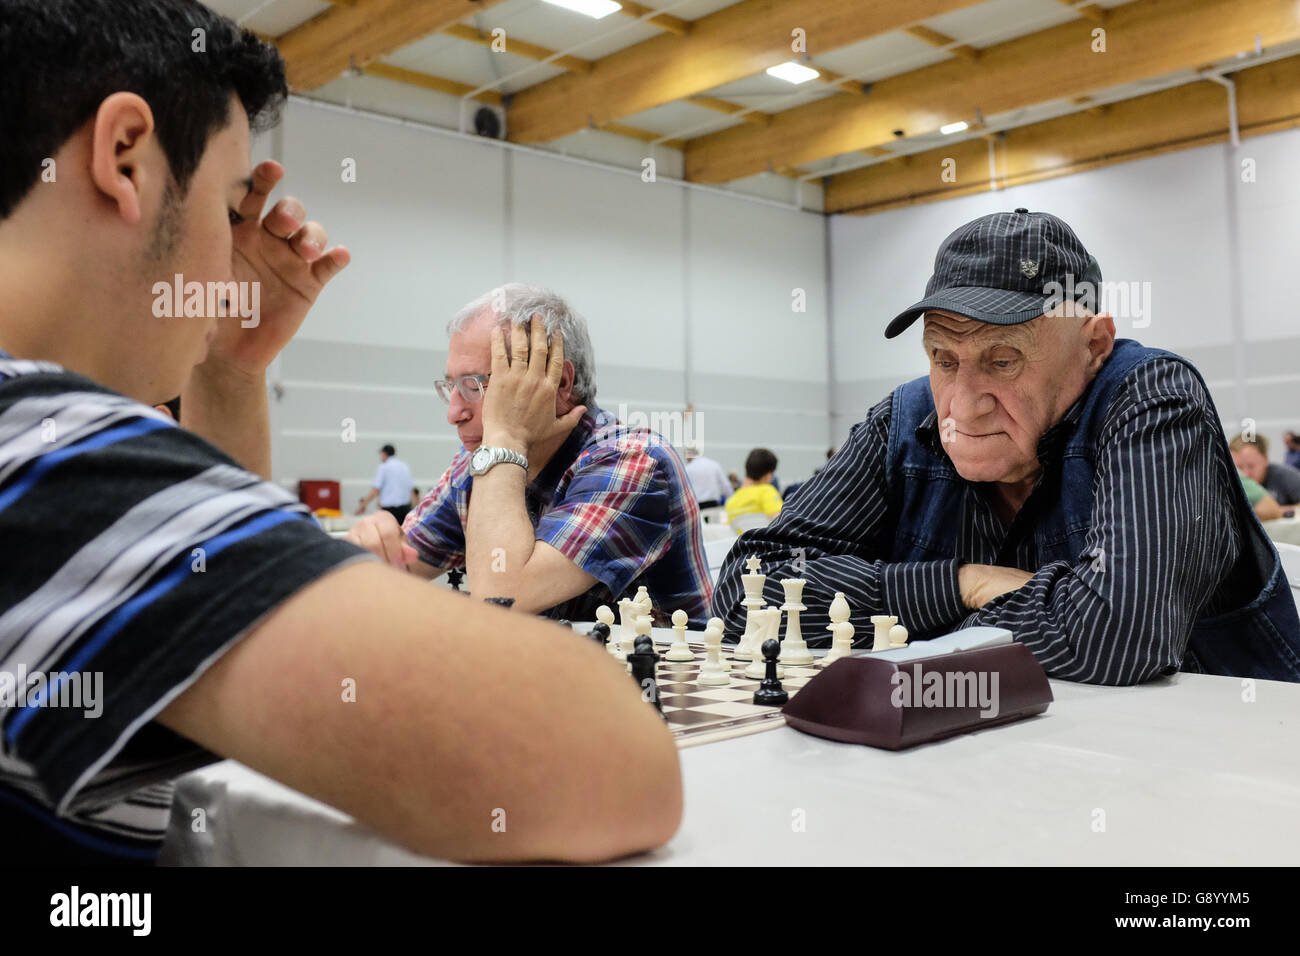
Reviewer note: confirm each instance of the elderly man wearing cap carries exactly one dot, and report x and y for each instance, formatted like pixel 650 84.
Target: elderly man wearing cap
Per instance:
pixel 1045 478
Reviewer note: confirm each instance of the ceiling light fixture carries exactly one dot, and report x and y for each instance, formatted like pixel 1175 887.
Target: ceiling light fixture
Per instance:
pixel 793 72
pixel 596 9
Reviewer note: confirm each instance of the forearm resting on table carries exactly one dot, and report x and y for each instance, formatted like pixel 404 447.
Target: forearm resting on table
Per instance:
pixel 229 409
pixel 1267 508
pixel 441 739
pixel 503 558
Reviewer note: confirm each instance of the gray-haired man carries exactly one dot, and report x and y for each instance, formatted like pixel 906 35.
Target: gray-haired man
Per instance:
pixel 569 509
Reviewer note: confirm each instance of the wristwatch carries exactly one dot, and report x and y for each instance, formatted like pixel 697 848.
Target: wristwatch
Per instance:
pixel 485 456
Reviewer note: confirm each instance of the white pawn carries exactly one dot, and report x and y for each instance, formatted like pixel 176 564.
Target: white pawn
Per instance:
pixel 713 672
pixel 883 623
pixel 794 650
pixel 898 636
pixel 842 643
pixel 680 650
pixel 769 626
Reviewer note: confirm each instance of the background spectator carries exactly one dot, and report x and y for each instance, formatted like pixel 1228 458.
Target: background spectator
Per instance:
pixel 756 494
pixel 392 483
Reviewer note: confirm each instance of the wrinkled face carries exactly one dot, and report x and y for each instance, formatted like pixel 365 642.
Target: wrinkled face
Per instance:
pixel 1252 462
pixel 193 239
pixel 997 389
pixel 469 353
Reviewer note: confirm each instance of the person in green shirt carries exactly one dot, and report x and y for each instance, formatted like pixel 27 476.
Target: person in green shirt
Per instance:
pixel 1265 505
pixel 756 494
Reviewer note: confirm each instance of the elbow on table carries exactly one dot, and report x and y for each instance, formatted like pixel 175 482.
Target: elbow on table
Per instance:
pixel 645 818
pixel 590 807
pixel 1151 656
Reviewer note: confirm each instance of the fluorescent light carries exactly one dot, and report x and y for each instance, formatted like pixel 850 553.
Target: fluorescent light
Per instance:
pixel 954 127
pixel 596 9
pixel 792 72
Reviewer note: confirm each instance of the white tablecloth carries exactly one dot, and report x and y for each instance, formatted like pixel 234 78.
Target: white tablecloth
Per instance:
pixel 1181 771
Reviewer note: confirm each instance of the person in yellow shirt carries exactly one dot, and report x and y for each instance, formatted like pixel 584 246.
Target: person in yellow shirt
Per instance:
pixel 756 493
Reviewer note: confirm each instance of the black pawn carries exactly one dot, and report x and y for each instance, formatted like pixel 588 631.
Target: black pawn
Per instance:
pixel 454 577
pixel 600 633
pixel 770 693
pixel 500 602
pixel 643 659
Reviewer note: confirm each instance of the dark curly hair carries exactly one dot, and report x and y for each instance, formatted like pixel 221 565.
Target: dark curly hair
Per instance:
pixel 60 59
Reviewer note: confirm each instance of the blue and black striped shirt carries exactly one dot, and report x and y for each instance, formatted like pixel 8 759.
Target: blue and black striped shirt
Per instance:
pixel 132 556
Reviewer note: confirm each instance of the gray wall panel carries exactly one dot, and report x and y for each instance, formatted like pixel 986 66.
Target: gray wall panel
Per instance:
pixel 316 360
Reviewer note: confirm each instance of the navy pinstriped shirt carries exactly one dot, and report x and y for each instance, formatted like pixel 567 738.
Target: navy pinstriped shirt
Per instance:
pixel 1161 477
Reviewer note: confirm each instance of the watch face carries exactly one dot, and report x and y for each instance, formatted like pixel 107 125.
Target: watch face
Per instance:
pixel 480 459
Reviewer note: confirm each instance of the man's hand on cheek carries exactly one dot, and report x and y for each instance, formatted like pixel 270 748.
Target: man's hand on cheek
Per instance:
pixel 519 402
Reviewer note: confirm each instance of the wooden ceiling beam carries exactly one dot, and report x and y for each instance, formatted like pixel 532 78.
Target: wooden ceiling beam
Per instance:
pixel 757 117
pixel 645 135
pixel 399 74
pixel 935 38
pixel 1089 11
pixel 664 21
pixel 428 81
pixel 571 64
pixel 734 43
pixel 841 82
pixel 320 50
pixel 1268 99
pixel 1145 39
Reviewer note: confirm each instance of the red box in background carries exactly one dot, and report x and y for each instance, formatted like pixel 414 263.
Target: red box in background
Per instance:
pixel 319 494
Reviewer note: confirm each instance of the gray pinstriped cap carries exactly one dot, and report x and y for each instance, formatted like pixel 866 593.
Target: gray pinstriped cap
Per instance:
pixel 996 269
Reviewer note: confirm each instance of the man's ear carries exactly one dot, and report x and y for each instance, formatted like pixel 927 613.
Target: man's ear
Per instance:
pixel 1100 334
pixel 564 391
pixel 123 152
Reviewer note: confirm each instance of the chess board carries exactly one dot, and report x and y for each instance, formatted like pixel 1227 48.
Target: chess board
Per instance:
pixel 700 714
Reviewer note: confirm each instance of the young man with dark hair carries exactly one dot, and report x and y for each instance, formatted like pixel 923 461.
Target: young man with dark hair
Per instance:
pixel 194 605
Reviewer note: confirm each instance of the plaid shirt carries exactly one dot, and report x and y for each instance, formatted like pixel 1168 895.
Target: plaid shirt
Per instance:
pixel 614 500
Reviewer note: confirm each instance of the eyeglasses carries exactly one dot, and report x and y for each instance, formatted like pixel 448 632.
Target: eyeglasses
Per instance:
pixel 470 387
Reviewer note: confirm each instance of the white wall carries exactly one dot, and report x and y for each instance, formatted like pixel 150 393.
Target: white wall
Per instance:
pixel 688 295
pixel 1218 253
